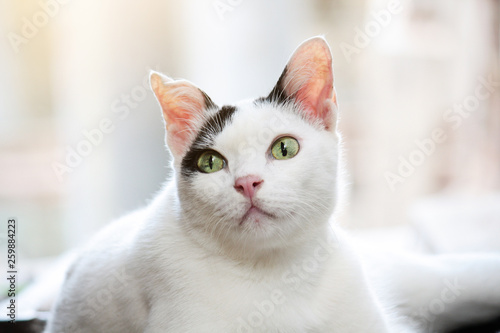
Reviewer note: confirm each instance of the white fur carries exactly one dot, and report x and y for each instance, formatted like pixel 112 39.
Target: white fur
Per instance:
pixel 185 264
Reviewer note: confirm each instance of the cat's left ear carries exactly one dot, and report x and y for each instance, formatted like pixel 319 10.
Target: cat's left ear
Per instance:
pixel 183 105
pixel 308 81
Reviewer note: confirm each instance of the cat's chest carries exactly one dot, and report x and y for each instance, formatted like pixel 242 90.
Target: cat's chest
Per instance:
pixel 222 296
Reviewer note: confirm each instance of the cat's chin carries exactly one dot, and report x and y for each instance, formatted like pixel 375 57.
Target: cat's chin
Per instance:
pixel 259 228
pixel 255 215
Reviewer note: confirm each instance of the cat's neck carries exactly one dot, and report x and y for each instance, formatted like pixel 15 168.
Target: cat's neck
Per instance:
pixel 317 249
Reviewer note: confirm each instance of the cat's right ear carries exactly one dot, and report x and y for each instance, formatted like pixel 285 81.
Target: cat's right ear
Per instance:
pixel 308 81
pixel 182 104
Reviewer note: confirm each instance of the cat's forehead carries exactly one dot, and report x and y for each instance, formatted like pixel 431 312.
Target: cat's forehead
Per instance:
pixel 259 122
pixel 232 129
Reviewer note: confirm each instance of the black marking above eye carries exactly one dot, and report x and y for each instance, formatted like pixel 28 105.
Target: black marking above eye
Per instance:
pixel 213 126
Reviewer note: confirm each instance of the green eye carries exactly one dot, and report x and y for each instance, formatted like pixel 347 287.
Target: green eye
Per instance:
pixel 211 161
pixel 285 148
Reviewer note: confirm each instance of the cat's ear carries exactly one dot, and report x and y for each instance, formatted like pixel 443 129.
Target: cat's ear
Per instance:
pixel 182 104
pixel 308 81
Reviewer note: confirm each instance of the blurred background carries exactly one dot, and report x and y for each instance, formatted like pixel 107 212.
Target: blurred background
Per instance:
pixel 82 138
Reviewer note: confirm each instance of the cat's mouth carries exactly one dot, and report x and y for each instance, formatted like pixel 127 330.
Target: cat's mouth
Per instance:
pixel 255 214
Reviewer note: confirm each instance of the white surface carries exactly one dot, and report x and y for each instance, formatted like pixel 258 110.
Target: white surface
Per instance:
pixel 457 224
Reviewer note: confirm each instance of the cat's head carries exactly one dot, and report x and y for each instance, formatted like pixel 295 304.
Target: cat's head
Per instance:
pixel 258 174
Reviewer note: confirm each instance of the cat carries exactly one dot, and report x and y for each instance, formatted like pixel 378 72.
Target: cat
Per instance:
pixel 241 238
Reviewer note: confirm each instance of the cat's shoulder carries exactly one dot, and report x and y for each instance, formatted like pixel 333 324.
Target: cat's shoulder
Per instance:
pixel 107 245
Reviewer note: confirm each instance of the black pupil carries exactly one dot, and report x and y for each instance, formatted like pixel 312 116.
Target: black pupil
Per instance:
pixel 211 162
pixel 284 152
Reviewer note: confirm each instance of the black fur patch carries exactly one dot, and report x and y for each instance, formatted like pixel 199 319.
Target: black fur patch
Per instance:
pixel 209 104
pixel 278 94
pixel 213 126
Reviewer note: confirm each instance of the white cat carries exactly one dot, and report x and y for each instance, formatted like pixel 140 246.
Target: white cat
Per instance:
pixel 240 239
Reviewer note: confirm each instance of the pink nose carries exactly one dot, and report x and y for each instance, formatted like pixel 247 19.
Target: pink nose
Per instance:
pixel 248 185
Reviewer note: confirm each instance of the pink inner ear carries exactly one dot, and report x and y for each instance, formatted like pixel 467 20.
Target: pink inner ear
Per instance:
pixel 314 94
pixel 311 79
pixel 178 124
pixel 179 108
pixel 181 103
pixel 180 111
